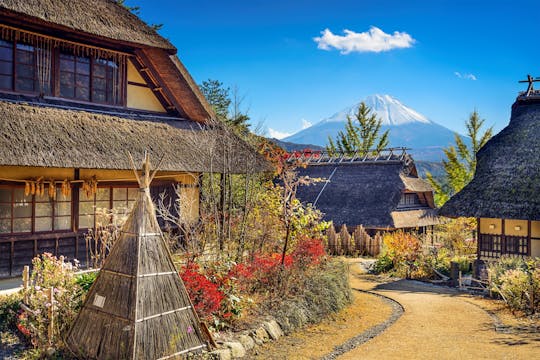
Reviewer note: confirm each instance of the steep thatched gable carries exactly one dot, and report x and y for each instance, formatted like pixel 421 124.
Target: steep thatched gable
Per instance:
pixel 104 18
pixel 367 194
pixel 507 179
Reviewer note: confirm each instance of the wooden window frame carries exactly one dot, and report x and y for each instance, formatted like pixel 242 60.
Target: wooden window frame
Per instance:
pixel 405 202
pixel 110 200
pixel 54 88
pixel 14 73
pixel 121 80
pixel 33 216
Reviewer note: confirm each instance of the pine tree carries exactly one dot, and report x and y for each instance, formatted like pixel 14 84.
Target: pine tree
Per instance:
pixel 361 134
pixel 218 97
pixel 226 105
pixel 460 163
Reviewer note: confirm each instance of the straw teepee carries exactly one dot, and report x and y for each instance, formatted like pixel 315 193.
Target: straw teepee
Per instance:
pixel 138 307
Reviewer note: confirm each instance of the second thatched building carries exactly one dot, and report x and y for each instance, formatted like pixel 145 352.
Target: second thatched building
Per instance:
pixel 380 191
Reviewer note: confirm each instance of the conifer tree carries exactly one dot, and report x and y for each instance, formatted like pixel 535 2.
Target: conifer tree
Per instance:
pixel 361 134
pixel 460 163
pixel 226 105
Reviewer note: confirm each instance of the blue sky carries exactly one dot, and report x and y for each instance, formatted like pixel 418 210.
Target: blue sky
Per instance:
pixel 449 57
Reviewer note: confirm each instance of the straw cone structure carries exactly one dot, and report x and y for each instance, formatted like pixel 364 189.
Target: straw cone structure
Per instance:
pixel 138 307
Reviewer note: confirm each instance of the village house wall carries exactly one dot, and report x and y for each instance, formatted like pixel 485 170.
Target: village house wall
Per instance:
pixel 139 94
pixel 485 226
pixel 535 241
pixel 513 227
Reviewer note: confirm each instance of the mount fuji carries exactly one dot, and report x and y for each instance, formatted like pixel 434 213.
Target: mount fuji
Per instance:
pixel 408 128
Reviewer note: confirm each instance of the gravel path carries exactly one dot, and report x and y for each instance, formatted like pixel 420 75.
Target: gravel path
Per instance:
pixel 439 323
pixel 397 311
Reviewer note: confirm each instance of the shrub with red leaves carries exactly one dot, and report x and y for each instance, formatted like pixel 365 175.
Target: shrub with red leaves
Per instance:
pixel 308 252
pixel 204 294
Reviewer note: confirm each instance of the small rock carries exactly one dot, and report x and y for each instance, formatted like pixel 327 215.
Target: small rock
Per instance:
pixel 237 349
pixel 222 354
pixel 260 336
pixel 246 341
pixel 273 329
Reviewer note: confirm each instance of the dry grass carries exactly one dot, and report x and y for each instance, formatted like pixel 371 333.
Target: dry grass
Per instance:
pixel 317 340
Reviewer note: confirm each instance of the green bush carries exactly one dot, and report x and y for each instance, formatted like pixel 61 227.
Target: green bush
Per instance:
pixel 86 280
pixel 517 281
pixel 383 264
pixel 9 307
pixel 464 263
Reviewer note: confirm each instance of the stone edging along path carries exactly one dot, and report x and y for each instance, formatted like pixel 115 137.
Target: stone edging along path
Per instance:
pixel 397 311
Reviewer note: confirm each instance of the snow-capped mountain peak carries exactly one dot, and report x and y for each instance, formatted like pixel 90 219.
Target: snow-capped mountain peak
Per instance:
pixel 407 127
pixel 389 109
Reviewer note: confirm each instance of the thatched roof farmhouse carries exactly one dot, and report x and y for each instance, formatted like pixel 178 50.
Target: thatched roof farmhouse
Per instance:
pixel 82 83
pixel 504 194
pixel 380 191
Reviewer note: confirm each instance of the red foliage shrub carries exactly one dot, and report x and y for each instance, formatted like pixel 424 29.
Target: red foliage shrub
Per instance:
pixel 309 252
pixel 204 294
pixel 22 318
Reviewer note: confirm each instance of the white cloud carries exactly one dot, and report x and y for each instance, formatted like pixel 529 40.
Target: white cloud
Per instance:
pixel 277 134
pixel 373 40
pixel 465 76
pixel 306 124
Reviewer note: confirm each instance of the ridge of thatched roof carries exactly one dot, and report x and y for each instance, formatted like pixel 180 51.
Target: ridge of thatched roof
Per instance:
pixel 506 183
pixel 138 306
pixel 367 194
pixel 44 136
pixel 104 18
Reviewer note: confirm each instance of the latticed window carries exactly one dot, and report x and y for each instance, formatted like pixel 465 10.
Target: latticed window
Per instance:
pixel 409 199
pixel 21 213
pixel 25 68
pixel 108 201
pixel 89 79
pixel 81 72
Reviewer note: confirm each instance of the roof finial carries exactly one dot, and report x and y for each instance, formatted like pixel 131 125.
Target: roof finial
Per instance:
pixel 146 178
pixel 530 87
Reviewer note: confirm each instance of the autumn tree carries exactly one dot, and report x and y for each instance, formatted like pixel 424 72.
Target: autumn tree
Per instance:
pixel 460 163
pixel 361 134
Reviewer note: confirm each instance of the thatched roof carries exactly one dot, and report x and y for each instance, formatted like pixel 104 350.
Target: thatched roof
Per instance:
pixel 368 194
pixel 138 307
pixel 44 136
pixel 507 179
pixel 104 18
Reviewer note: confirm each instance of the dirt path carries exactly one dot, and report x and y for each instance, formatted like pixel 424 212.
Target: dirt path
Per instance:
pixel 314 342
pixel 437 323
pixel 440 323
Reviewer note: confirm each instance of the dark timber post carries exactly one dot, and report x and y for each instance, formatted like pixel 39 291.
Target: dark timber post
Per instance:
pixel 503 238
pixel 75 210
pixel 478 238
pixel 529 234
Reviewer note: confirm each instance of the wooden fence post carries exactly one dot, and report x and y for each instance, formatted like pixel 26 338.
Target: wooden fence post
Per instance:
pixel 345 240
pixel 26 282
pixel 332 240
